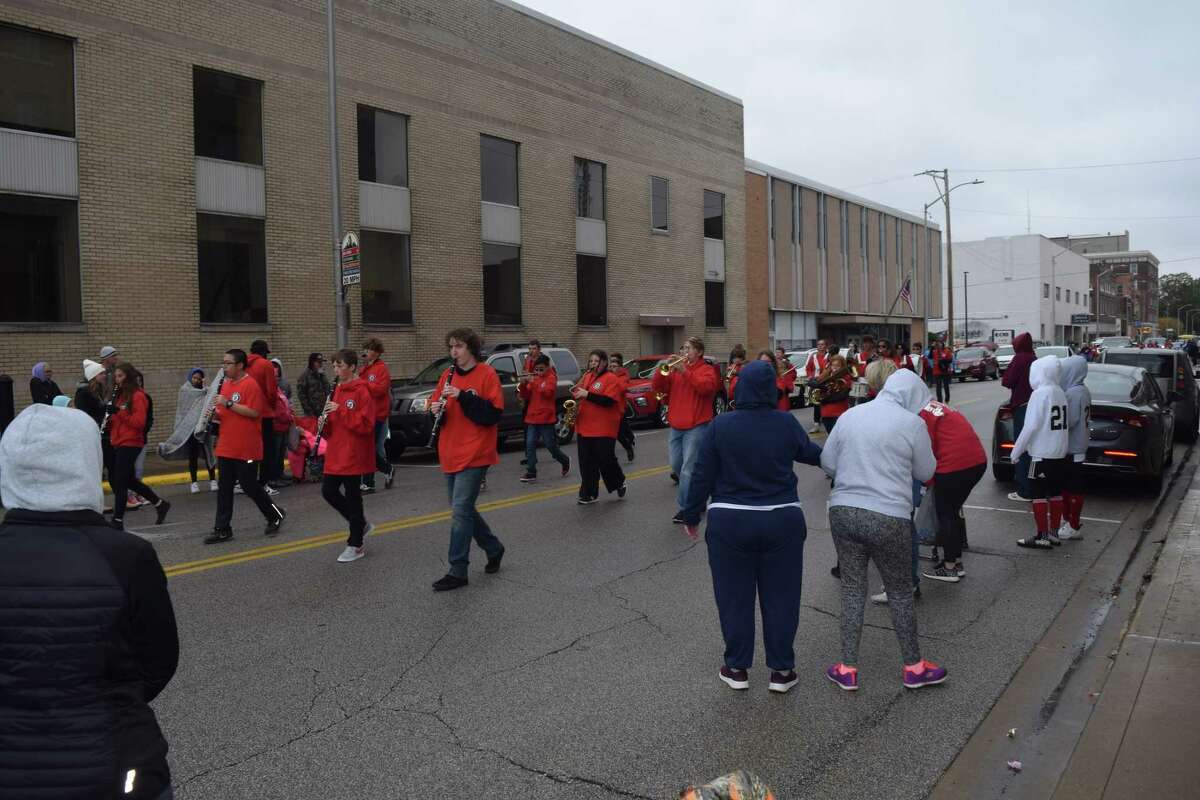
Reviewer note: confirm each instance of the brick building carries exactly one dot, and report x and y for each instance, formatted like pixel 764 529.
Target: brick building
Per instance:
pixel 164 184
pixel 1128 293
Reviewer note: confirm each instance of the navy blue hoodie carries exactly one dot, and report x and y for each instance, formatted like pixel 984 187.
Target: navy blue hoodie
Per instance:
pixel 746 455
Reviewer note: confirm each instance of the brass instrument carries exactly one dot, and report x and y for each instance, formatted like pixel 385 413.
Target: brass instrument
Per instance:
pixel 520 377
pixel 111 400
pixel 570 413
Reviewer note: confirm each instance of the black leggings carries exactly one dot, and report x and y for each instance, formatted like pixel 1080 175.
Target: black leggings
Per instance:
pixel 195 450
pixel 625 434
pixel 349 504
pixel 123 479
pixel 951 490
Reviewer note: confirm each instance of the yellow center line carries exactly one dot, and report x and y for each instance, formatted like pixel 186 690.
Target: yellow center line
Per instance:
pixel 391 526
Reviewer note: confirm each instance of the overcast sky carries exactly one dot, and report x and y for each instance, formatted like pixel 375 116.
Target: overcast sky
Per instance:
pixel 855 93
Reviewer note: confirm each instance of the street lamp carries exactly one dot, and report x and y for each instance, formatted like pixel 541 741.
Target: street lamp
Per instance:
pixel 944 195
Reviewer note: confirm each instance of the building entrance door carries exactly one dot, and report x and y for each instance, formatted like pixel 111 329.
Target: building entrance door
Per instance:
pixel 659 339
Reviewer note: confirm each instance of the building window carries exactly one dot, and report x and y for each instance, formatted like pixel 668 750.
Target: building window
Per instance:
pixel 1058 293
pixel 501 284
pixel 386 278
pixel 1045 291
pixel 233 268
pixel 589 189
pixel 844 219
pixel 1077 299
pixel 714 304
pixel 591 288
pixel 227 116
pixel 498 171
pixel 382 147
pixel 37 82
pixel 39 262
pixel 821 214
pixel 714 215
pixel 660 200
pixel 1133 269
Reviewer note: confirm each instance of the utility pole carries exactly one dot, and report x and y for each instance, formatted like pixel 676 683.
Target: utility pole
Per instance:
pixel 966 311
pixel 339 291
pixel 949 259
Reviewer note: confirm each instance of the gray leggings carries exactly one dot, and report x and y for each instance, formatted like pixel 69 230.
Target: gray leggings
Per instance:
pixel 860 535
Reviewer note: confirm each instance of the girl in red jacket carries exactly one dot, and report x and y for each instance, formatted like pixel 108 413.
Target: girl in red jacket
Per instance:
pixel 783 383
pixel 961 462
pixel 126 428
pixel 350 450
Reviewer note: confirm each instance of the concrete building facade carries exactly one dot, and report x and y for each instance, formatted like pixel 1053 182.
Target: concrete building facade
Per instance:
pixel 165 185
pixel 1128 293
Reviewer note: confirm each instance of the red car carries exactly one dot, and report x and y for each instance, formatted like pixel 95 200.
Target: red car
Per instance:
pixel 976 362
pixel 642 402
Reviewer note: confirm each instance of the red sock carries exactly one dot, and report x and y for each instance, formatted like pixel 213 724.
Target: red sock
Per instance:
pixel 1056 512
pixel 1076 511
pixel 1041 516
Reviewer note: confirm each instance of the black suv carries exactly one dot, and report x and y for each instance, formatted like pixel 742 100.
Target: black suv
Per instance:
pixel 410 420
pixel 1172 370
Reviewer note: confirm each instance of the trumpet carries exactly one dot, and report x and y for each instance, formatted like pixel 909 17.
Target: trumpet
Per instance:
pixel 664 368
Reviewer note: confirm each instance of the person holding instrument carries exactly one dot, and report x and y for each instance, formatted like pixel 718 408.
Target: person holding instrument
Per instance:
pixel 814 366
pixel 831 390
pixel 625 438
pixel 691 384
pixel 541 417
pixel 349 429
pixel 597 394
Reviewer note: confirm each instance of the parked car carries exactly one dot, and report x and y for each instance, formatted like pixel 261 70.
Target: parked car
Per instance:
pixel 798 358
pixel 1062 351
pixel 1105 342
pixel 1132 426
pixel 642 402
pixel 1173 372
pixel 1004 355
pixel 410 420
pixel 975 362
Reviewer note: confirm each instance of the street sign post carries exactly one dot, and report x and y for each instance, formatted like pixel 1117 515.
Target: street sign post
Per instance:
pixel 1081 319
pixel 351 260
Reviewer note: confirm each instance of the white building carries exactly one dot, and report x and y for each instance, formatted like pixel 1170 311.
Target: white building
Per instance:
pixel 1021 283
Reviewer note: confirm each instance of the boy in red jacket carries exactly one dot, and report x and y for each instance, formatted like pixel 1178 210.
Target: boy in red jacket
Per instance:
pixel 378 380
pixel 541 417
pixel 349 431
pixel 691 385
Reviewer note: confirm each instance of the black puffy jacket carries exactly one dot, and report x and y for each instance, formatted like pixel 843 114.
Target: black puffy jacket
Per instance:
pixel 87 640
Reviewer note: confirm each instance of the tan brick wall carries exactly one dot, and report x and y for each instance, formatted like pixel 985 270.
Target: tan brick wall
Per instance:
pixel 758 323
pixel 458 68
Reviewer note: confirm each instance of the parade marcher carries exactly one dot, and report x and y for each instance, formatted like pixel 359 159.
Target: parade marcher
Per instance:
pixel 1044 438
pixel 691 385
pixel 189 406
pixel 263 373
pixel 535 352
pixel 541 417
pixel 874 454
pixel 281 422
pixel 865 356
pixel 598 394
pixel 89 633
pixel 313 386
pixel 834 382
pixel 89 397
pixel 625 437
pixel 756 527
pixel 1016 380
pixel 941 359
pixel 127 425
pixel 469 402
pixel 349 432
pixel 918 363
pixel 737 360
pixel 239 406
pixel 814 366
pixel 378 379
pixel 42 388
pixel 1079 412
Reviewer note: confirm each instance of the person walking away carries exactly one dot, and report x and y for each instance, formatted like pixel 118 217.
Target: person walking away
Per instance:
pixel 1044 439
pixel 263 373
pixel 814 366
pixel 834 382
pixel 42 388
pixel 281 422
pixel 349 432
pixel 238 408
pixel 756 527
pixel 600 412
pixel 313 386
pixel 691 385
pixel 1079 412
pixel 470 402
pixel 189 406
pixel 874 454
pixel 89 397
pixel 89 633
pixel 541 417
pixel 379 383
pixel 941 358
pixel 1016 380
pixel 127 429
pixel 625 437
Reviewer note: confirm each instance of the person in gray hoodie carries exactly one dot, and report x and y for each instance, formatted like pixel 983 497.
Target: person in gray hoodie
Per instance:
pixel 1079 411
pixel 873 454
pixel 1043 438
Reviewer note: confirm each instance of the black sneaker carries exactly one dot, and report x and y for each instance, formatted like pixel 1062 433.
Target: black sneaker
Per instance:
pixel 678 519
pixel 160 511
pixel 586 501
pixel 493 564
pixel 942 573
pixel 528 477
pixel 1039 542
pixel 675 478
pixel 449 582
pixel 621 491
pixel 566 467
pixel 219 535
pixel 274 525
pixel 390 479
pixel 629 454
pixel 117 525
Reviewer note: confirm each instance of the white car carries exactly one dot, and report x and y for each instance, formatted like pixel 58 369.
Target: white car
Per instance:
pixel 1004 354
pixel 798 359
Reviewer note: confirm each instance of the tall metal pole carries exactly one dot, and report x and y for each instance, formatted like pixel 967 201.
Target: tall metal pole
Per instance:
pixel 335 187
pixel 966 311
pixel 949 259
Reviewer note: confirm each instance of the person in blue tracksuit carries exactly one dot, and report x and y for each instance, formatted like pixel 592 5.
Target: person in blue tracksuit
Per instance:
pixel 756 527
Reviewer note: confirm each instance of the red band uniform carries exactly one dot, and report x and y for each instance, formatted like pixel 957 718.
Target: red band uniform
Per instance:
pixel 349 434
pixel 599 421
pixel 239 448
pixel 378 380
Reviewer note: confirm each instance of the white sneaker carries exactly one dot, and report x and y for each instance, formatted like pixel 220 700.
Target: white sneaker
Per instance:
pixel 195 488
pixel 1067 532
pixel 237 489
pixel 270 491
pixel 1016 498
pixel 212 486
pixel 351 554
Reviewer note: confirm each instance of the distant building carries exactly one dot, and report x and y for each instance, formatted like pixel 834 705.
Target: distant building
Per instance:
pixel 1128 278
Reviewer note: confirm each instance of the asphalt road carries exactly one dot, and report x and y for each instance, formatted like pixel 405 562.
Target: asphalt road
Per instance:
pixel 588 666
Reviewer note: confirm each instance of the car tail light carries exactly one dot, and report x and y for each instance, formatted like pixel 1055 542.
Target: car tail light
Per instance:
pixel 1120 453
pixel 1007 446
pixel 1005 412
pixel 1131 418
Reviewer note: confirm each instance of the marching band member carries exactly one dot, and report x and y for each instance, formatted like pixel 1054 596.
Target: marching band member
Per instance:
pixel 816 364
pixel 834 382
pixel 541 417
pixel 917 362
pixel 691 384
pixel 1079 410
pixel 865 356
pixel 598 393
pixel 127 431
pixel 783 380
pixel 616 365
pixel 349 433
pixel 535 352
pixel 1044 437
pixel 263 373
pixel 470 395
pixel 378 380
pixel 737 359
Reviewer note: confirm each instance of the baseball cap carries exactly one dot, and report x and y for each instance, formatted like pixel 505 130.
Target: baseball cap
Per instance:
pixel 260 347
pixel 108 351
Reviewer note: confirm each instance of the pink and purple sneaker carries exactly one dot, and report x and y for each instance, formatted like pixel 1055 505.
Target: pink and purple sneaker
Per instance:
pixel 845 677
pixel 923 673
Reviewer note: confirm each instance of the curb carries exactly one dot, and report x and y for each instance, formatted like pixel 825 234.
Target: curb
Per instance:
pixel 166 479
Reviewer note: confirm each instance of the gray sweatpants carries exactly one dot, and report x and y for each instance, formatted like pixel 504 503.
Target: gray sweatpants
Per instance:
pixel 861 535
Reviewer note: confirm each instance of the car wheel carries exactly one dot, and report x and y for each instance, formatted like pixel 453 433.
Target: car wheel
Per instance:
pixel 1004 473
pixel 563 433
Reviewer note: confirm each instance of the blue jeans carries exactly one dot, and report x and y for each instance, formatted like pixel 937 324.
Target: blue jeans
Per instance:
pixel 682 448
pixel 381 460
pixel 549 436
pixel 465 522
pixel 1024 484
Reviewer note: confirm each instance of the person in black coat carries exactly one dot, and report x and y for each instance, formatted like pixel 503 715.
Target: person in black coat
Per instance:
pixel 42 387
pixel 89 636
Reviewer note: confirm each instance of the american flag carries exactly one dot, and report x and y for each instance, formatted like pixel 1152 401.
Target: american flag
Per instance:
pixel 906 293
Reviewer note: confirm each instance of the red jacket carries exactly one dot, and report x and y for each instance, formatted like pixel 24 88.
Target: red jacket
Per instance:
pixel 595 419
pixel 956 446
pixel 936 355
pixel 379 384
pixel 241 437
pixel 263 372
pixel 836 409
pixel 529 365
pixel 127 427
pixel 283 412
pixel 350 431
pixel 463 442
pixel 689 394
pixel 816 362
pixel 539 394
pixel 785 383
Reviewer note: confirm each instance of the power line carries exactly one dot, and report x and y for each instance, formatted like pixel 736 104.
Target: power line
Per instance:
pixel 1173 260
pixel 1081 166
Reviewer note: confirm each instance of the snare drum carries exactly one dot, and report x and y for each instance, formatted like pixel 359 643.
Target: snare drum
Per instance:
pixel 858 390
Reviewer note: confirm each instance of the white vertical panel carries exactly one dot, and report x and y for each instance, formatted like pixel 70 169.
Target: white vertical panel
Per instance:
pixel 499 223
pixel 384 207
pixel 36 163
pixel 591 236
pixel 714 259
pixel 230 187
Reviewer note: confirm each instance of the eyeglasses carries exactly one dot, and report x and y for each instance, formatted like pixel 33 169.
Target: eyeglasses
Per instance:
pixel 228 363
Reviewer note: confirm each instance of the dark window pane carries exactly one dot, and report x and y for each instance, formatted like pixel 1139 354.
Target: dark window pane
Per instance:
pixel 501 285
pixel 37 82
pixel 386 278
pixel 589 188
pixel 233 268
pixel 714 304
pixel 660 197
pixel 506 368
pixel 564 363
pixel 591 285
pixel 39 260
pixel 498 174
pixel 227 112
pixel 382 147
pixel 714 215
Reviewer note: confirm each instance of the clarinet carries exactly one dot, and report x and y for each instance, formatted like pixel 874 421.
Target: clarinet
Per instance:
pixel 321 419
pixel 436 429
pixel 108 407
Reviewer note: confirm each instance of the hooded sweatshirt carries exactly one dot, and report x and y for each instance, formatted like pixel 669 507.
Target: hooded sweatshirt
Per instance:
pixel 1044 435
pixel 1016 376
pixel 31 479
pixel 745 457
pixel 1079 405
pixel 877 449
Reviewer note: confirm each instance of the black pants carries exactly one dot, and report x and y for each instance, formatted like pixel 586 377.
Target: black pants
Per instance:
pixel 232 471
pixel 625 434
pixel 816 413
pixel 597 459
pixel 196 449
pixel 951 490
pixel 123 479
pixel 942 383
pixel 1049 477
pixel 269 467
pixel 106 453
pixel 349 504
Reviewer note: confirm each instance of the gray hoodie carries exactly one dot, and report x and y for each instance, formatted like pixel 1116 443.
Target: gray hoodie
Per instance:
pixel 1079 405
pixel 876 449
pixel 50 460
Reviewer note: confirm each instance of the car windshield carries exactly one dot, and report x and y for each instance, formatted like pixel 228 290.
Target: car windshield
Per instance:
pixel 971 352
pixel 433 372
pixel 1004 350
pixel 1160 365
pixel 641 367
pixel 1052 350
pixel 1112 387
